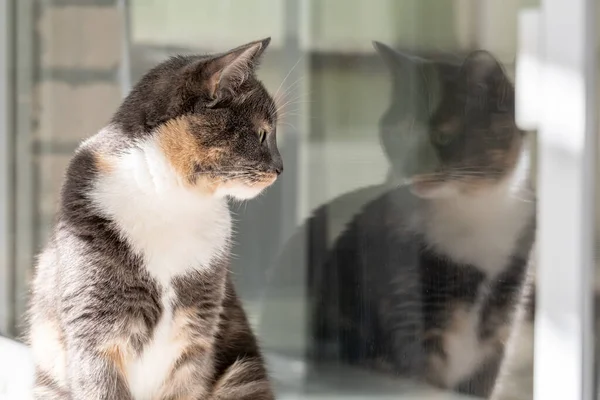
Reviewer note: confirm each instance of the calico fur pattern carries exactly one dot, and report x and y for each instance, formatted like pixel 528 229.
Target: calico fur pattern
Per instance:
pixel 132 297
pixel 426 278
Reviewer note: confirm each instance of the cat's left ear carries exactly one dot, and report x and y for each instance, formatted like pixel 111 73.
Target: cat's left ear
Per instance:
pixel 482 68
pixel 226 72
pixel 396 60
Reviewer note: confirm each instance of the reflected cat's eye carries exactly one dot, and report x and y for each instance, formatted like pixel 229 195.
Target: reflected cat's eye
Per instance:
pixel 442 138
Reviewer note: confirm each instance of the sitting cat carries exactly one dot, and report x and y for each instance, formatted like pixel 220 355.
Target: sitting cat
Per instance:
pixel 425 279
pixel 132 297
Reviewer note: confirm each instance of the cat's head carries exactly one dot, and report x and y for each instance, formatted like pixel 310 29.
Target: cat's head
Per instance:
pixel 211 118
pixel 450 128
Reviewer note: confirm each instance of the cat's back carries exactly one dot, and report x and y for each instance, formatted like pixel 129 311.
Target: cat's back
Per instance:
pixel 386 222
pixel 49 271
pixel 62 264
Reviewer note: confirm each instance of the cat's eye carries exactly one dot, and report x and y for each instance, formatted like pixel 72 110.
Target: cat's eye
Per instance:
pixel 442 138
pixel 262 135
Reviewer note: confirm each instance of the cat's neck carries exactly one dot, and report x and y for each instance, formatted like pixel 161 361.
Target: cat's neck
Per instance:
pixel 482 229
pixel 170 225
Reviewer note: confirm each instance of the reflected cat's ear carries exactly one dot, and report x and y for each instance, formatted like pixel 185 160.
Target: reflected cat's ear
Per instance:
pixel 481 67
pixel 226 72
pixel 394 59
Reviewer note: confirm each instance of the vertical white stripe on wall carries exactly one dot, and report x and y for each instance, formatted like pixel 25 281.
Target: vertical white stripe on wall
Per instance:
pixel 567 133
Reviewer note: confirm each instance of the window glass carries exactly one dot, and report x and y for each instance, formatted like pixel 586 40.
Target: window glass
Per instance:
pixel 382 263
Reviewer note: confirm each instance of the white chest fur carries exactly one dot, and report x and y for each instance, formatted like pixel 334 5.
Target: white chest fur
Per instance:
pixel 174 228
pixel 482 229
pixel 147 373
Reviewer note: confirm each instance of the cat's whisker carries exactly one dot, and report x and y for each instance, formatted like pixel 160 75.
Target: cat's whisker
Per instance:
pixel 281 101
pixel 470 173
pixel 231 174
pixel 290 88
pixel 286 96
pixel 288 75
pixel 288 125
pixel 292 113
pixel 292 102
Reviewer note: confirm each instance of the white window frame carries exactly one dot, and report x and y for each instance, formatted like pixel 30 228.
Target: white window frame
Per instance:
pixel 567 145
pixel 566 178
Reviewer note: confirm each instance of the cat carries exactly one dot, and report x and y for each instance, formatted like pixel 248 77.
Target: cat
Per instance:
pixel 132 297
pixel 425 279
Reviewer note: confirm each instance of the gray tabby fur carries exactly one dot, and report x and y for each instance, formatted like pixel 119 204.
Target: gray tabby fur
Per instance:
pixel 132 297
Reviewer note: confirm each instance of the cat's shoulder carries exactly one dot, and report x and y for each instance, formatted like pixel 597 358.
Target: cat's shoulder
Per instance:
pixel 393 209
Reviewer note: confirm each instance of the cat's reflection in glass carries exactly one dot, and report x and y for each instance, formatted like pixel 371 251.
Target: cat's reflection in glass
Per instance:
pixel 424 275
pixel 425 279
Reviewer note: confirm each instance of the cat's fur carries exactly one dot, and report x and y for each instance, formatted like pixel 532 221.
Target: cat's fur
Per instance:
pixel 515 378
pixel 132 297
pixel 425 280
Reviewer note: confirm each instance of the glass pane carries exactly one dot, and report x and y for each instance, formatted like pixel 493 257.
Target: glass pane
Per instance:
pixel 389 259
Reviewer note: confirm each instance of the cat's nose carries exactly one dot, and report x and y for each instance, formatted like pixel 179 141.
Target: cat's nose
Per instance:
pixel 277 167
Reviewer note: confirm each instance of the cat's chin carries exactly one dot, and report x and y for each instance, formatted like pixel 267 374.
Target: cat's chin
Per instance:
pixel 427 190
pixel 243 191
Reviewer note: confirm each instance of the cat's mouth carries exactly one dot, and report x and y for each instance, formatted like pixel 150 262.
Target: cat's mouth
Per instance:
pixel 264 182
pixel 437 185
pixel 246 189
pixel 429 185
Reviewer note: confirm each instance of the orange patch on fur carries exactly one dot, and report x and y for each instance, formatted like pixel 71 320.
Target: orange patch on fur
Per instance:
pixel 187 378
pixel 182 319
pixel 507 159
pixel 460 318
pixel 103 163
pixel 459 325
pixel 185 332
pixel 450 126
pixel 184 152
pixel 48 348
pixel 119 353
pixel 504 161
pixel 438 365
pixel 179 146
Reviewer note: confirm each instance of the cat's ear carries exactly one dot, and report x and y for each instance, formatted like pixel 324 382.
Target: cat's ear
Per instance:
pixel 226 72
pixel 482 68
pixel 395 60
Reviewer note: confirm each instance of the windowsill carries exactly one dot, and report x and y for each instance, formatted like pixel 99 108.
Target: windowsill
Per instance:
pixel 345 383
pixel 16 370
pixel 16 378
